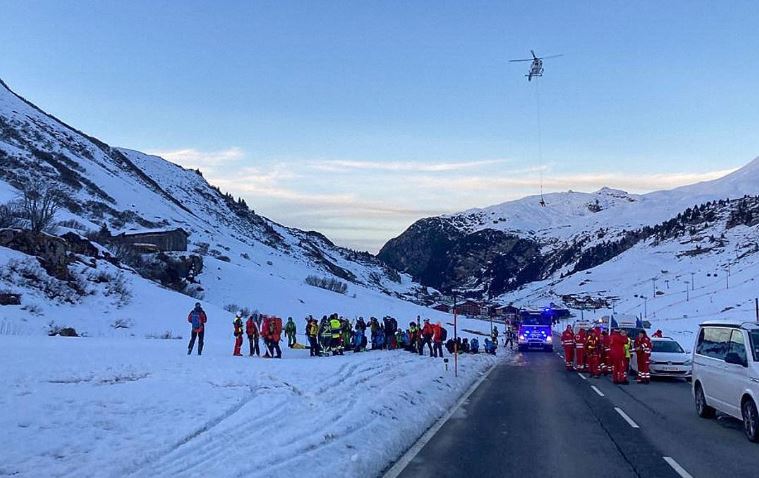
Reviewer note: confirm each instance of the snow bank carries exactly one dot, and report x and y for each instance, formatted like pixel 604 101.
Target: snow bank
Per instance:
pixel 118 407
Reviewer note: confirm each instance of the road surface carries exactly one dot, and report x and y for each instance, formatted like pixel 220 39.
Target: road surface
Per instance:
pixel 530 417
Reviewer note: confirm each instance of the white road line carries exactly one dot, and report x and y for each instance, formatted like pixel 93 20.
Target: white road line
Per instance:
pixel 599 392
pixel 676 466
pixel 411 453
pixel 582 376
pixel 627 418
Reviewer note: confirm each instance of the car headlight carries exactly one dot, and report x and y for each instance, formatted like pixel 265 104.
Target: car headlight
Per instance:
pixel 521 337
pixel 688 362
pixel 549 339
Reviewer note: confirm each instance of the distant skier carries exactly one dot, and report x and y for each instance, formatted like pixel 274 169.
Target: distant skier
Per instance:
pixel 237 324
pixel 197 318
pixel 253 333
pixel 290 331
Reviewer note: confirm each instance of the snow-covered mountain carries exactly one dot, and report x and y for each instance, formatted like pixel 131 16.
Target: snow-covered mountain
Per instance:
pixel 248 259
pixel 500 248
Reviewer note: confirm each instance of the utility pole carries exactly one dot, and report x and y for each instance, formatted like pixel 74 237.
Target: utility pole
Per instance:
pixel 654 281
pixel 666 281
pixel 455 340
pixel 727 277
pixel 756 307
pixel 645 307
pixel 692 281
pixel 687 291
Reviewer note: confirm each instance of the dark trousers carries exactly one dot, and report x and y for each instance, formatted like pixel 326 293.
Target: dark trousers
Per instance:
pixel 509 342
pixel 437 349
pixel 314 344
pixel 273 346
pixel 254 349
pixel 199 336
pixel 426 339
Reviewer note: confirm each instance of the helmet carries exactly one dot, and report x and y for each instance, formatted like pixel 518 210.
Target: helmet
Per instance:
pixel 197 304
pixel 239 313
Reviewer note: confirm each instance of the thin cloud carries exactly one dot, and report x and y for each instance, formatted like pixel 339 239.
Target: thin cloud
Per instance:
pixel 195 159
pixel 339 165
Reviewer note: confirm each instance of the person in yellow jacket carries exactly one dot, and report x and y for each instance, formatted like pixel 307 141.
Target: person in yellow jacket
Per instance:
pixel 628 351
pixel 336 329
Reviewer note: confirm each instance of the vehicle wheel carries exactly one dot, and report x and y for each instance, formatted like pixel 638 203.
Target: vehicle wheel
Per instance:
pixel 703 410
pixel 750 420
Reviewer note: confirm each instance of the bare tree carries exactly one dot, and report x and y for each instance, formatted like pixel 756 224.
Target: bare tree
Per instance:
pixel 9 215
pixel 39 204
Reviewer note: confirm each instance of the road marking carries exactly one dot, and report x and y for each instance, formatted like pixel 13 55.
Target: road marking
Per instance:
pixel 582 376
pixel 411 453
pixel 676 466
pixel 627 418
pixel 599 392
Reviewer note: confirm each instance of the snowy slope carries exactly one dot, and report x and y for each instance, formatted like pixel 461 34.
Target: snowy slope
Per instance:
pixel 263 264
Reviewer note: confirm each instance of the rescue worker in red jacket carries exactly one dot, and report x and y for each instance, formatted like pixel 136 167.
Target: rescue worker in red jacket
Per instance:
pixel 237 324
pixel 427 333
pixel 437 340
pixel 643 349
pixel 658 333
pixel 592 344
pixel 251 330
pixel 617 357
pixel 568 342
pixel 580 339
pixel 605 349
pixel 197 317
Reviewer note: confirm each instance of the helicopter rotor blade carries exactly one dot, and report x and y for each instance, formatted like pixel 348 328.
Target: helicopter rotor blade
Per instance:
pixel 526 59
pixel 534 56
pixel 551 56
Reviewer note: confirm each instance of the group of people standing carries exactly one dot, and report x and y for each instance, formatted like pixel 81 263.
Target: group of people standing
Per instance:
pixel 598 352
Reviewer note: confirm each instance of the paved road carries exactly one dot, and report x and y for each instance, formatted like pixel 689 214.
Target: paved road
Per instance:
pixel 532 418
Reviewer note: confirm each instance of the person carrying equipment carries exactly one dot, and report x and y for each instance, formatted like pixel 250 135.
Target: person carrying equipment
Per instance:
pixel 290 331
pixel 427 333
pixel 197 317
pixel 251 330
pixel 272 333
pixel 568 342
pixel 237 324
pixel 437 340
pixel 325 336
pixel 643 349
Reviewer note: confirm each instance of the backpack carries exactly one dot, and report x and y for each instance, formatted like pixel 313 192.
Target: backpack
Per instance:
pixel 443 333
pixel 195 315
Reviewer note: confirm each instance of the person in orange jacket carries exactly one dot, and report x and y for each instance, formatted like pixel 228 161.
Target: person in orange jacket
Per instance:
pixel 237 324
pixel 643 349
pixel 580 339
pixel 605 349
pixel 568 342
pixel 617 357
pixel 427 333
pixel 592 345
pixel 437 340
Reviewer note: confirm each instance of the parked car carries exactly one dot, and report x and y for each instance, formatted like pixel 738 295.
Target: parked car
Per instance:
pixel 726 372
pixel 668 359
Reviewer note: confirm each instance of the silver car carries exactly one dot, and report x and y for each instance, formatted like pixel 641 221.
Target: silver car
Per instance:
pixel 668 359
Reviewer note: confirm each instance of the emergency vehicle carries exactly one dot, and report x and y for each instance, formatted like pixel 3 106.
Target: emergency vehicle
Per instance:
pixel 535 330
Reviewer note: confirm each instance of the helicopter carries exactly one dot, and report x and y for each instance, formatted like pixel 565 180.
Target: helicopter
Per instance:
pixel 536 69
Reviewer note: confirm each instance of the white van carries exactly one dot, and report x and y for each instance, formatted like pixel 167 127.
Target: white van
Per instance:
pixel 726 372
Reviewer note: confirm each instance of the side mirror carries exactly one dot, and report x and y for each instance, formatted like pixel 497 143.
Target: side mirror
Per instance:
pixel 735 359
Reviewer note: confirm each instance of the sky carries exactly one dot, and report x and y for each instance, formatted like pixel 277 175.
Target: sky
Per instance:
pixel 358 118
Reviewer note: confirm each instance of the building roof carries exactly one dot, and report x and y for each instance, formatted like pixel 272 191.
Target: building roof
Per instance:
pixel 145 232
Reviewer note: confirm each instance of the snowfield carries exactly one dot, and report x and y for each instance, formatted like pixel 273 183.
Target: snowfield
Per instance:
pixel 134 407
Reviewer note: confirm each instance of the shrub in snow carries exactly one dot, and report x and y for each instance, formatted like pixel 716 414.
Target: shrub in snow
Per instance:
pixel 39 205
pixel 119 288
pixel 9 298
pixel 164 336
pixel 9 215
pixel 122 324
pixel 328 283
pixel 29 274
pixel 234 308
pixel 54 330
pixel 33 309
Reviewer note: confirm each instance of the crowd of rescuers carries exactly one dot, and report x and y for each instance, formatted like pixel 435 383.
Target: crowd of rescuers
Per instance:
pixel 600 353
pixel 334 335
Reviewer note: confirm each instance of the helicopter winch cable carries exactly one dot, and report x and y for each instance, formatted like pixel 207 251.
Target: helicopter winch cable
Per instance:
pixel 540 139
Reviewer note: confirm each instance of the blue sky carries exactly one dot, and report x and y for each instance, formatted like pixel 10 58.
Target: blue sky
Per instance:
pixel 357 118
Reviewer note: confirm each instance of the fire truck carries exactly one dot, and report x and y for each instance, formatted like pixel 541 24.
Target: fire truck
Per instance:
pixel 535 330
